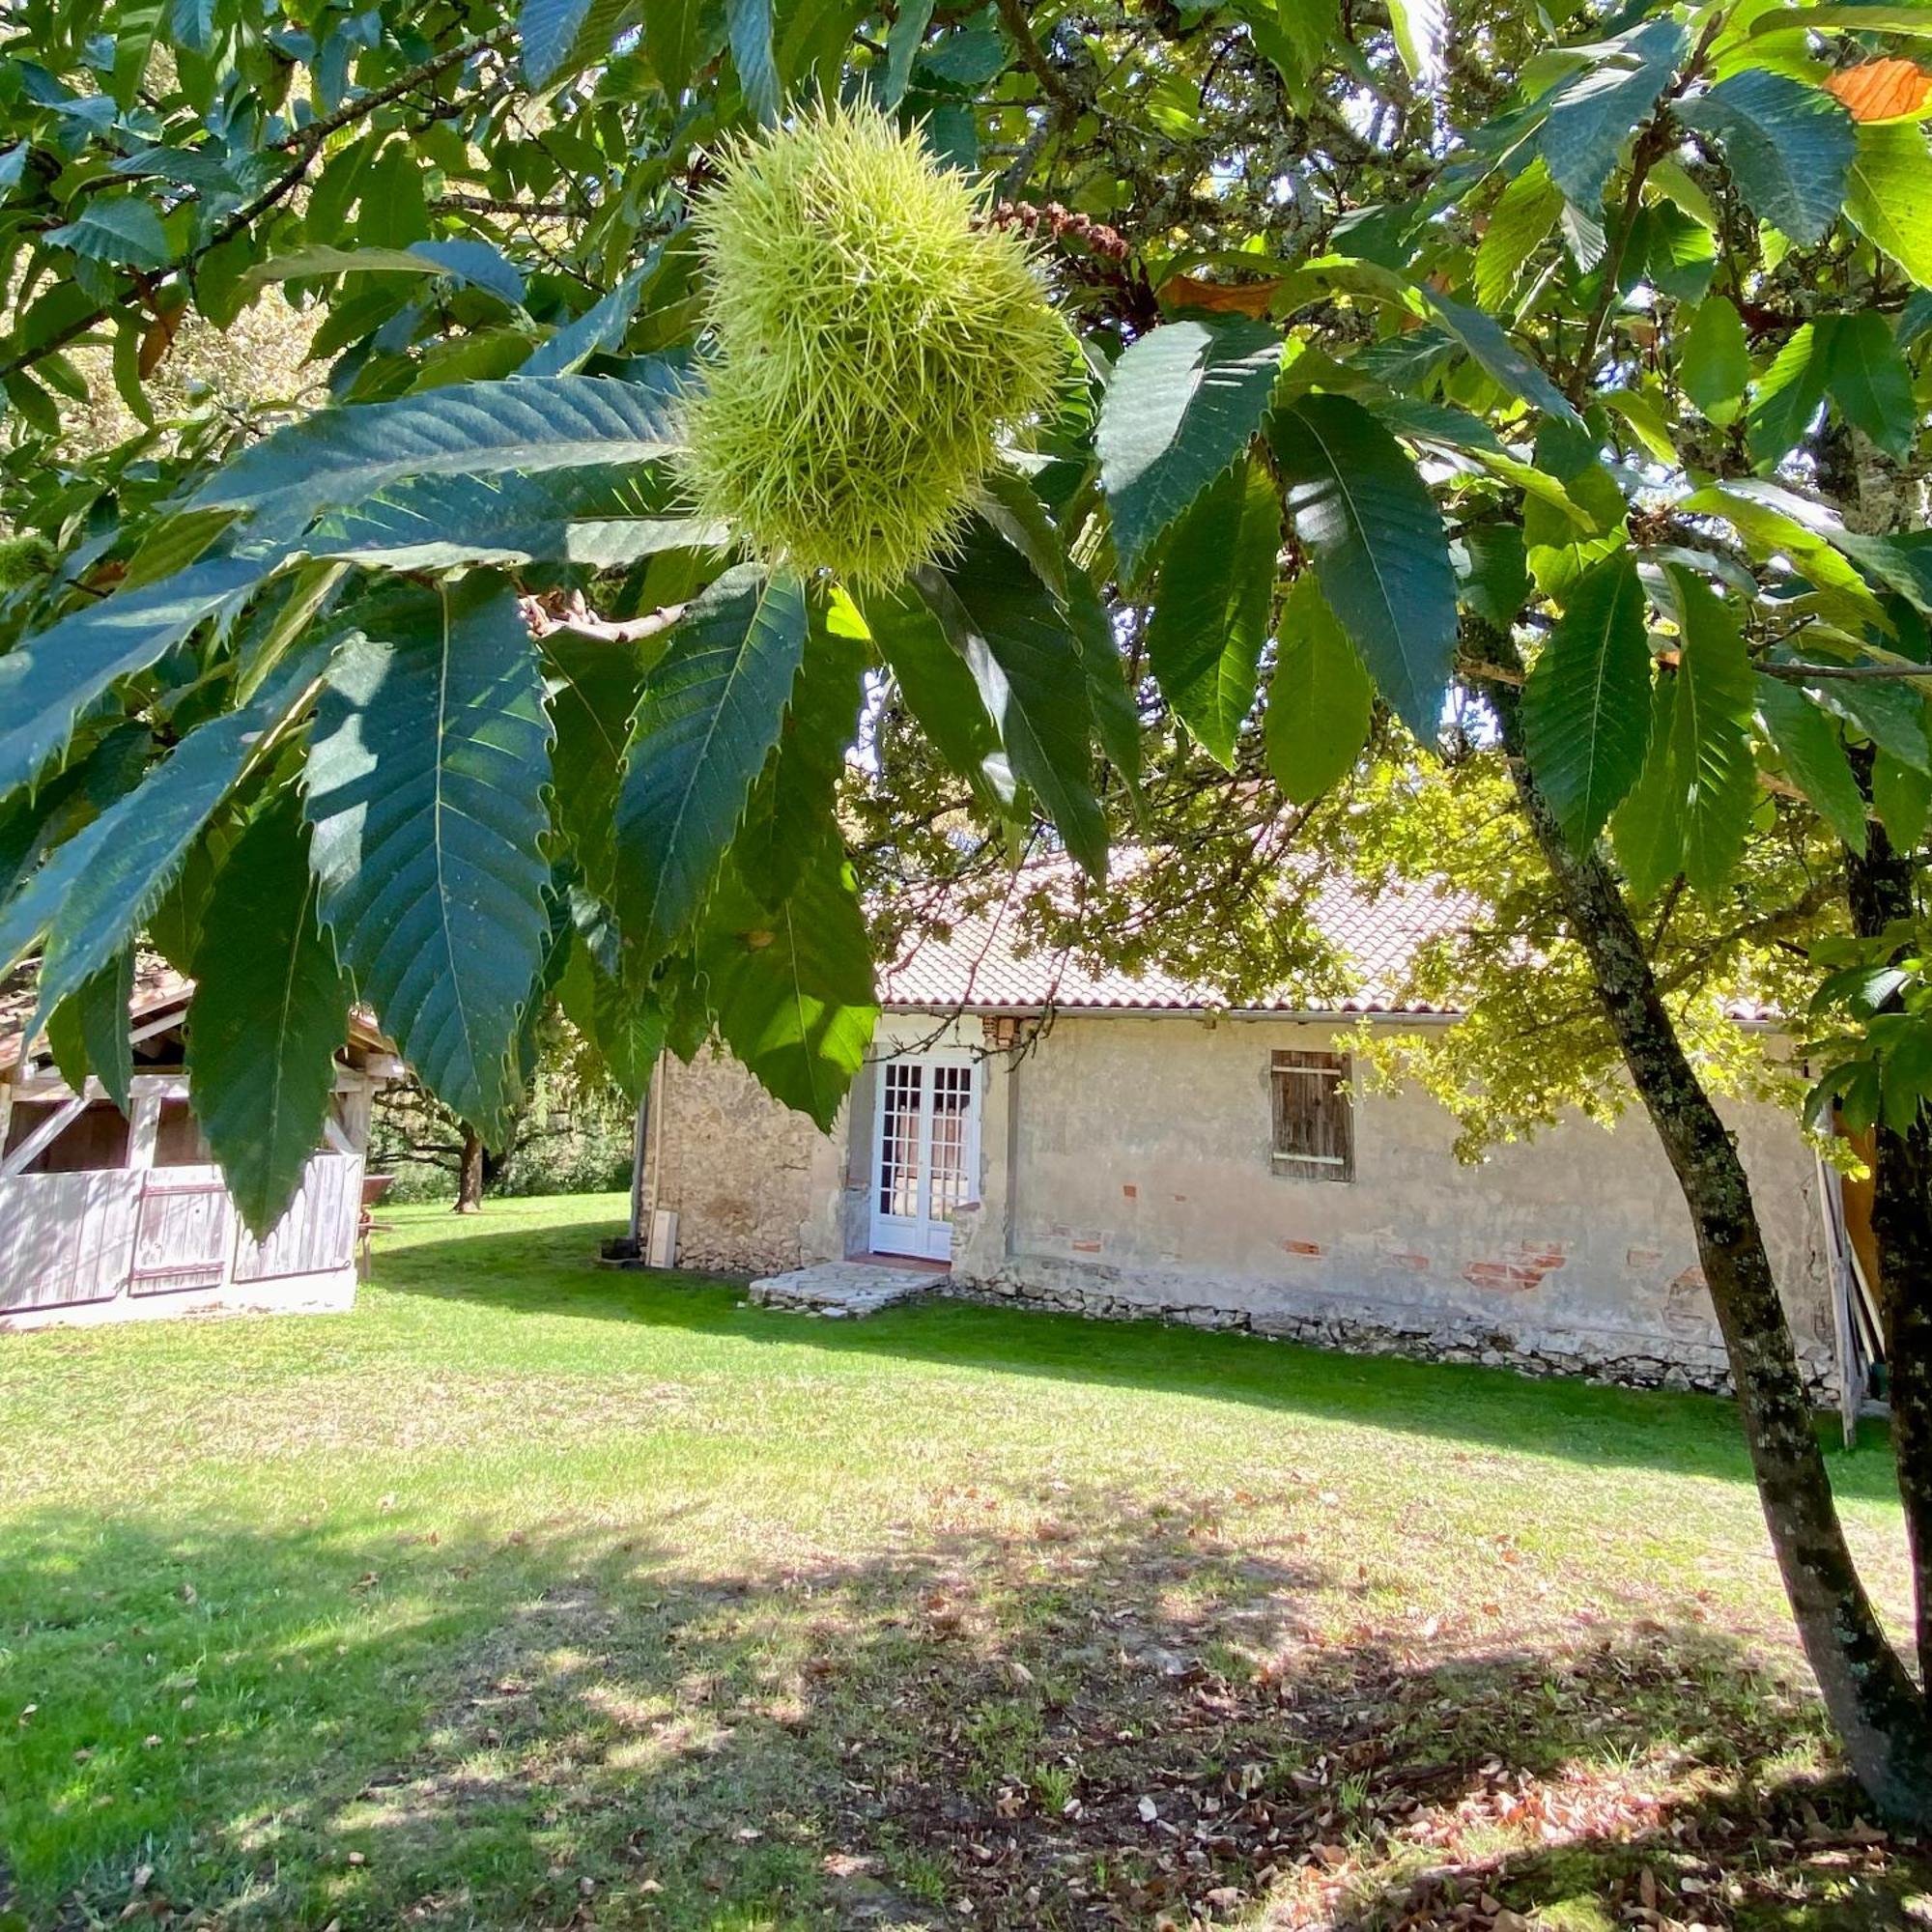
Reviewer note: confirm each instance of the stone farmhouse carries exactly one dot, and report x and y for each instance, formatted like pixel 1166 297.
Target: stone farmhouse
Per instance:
pixel 1127 1147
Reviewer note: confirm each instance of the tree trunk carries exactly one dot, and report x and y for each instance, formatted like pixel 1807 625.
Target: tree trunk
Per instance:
pixel 1881 891
pixel 469 1173
pixel 1874 1704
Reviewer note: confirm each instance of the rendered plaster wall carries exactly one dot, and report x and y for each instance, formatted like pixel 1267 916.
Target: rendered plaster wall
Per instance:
pixel 1125 1171
pixel 1130 1174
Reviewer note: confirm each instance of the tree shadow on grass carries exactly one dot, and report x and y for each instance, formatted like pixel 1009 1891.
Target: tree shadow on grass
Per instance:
pixel 553 1272
pixel 1108 1716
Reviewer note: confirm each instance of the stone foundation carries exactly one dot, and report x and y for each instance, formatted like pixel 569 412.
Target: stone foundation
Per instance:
pixel 843 1287
pixel 1622 1359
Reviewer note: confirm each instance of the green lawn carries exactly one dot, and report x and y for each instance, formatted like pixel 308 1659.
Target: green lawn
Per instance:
pixel 535 1593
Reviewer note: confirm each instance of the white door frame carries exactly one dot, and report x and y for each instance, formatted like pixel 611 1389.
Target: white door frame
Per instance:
pixel 923 1233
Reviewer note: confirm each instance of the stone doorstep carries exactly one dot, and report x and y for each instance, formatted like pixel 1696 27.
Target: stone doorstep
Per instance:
pixel 843 1287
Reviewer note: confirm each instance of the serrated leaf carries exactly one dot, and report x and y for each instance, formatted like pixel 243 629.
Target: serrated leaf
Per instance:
pixel 1646 422
pixel 603 516
pixel 1011 506
pixel 1116 716
pixel 1900 796
pixel 1713 359
pixel 673 37
pixel 46 681
pixel 1421 29
pixel 1890 713
pixel 600 328
pixel 791 985
pixel 1869 381
pixel 749 25
pixel 903 40
pixel 88 1032
pixel 33 824
pixel 1308 33
pixel 1584 236
pixel 1787 147
pixel 1586 702
pixel 1882 89
pixel 710 712
pixel 1710 739
pixel 795 807
pixel 1493 573
pixel 469 429
pixel 1789 396
pixel 95 892
pixel 1673 179
pixel 1525 214
pixel 1771 533
pixel 1809 745
pixel 136 23
pixel 1855 16
pixel 270 1009
pixel 1560 548
pixel 939 691
pixel 1486 339
pixel 628 1028
pixel 592 689
pixel 1591 116
pixel 122 230
pixel 559 37
pixel 1212 606
pixel 1678 257
pixel 1889 194
pixel 472 263
pixel 1648 827
pixel 1182 403
pixel 424 788
pixel 1028 667
pixel 1319 698
pixel 1354 500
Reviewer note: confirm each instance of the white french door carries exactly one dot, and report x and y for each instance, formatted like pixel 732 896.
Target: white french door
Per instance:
pixel 926 1152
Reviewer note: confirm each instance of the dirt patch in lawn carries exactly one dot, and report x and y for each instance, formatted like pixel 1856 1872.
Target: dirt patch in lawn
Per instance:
pixel 1055 1708
pixel 1101 1714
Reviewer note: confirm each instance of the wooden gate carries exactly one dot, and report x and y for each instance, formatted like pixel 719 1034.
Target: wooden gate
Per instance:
pixel 318 1234
pixel 65 1238
pixel 182 1231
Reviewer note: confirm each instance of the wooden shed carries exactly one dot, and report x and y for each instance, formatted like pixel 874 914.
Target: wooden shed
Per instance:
pixel 108 1217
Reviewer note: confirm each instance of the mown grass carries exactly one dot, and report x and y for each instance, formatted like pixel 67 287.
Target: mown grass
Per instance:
pixel 535 1593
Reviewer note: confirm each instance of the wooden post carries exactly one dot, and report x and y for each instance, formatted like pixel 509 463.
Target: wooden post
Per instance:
pixel 144 1129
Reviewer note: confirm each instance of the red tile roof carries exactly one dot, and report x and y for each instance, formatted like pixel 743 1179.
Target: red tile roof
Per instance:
pixel 986 964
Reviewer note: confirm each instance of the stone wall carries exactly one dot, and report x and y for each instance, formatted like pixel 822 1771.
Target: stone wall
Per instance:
pixel 1139 1183
pixel 1630 1360
pixel 1125 1171
pixel 741 1172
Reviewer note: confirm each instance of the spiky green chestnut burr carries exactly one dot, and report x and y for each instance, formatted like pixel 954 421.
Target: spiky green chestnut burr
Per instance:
pixel 23 558
pixel 872 347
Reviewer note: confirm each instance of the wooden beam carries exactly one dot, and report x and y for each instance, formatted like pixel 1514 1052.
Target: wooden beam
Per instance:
pixel 50 1131
pixel 51 1087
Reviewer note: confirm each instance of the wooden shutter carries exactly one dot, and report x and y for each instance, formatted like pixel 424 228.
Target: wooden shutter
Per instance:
pixel 1314 1116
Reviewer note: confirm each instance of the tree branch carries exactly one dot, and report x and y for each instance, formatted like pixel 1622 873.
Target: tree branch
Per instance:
pixel 304 144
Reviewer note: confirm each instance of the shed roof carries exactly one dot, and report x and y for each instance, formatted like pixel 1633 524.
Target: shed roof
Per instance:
pixel 158 988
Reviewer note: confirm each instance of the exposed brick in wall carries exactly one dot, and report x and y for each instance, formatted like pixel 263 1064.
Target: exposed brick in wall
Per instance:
pixel 1126 1173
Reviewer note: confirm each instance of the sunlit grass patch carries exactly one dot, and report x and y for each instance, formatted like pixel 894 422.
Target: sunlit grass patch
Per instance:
pixel 536 1594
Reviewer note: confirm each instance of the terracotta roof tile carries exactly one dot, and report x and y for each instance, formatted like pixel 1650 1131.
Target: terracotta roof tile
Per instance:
pixel 984 963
